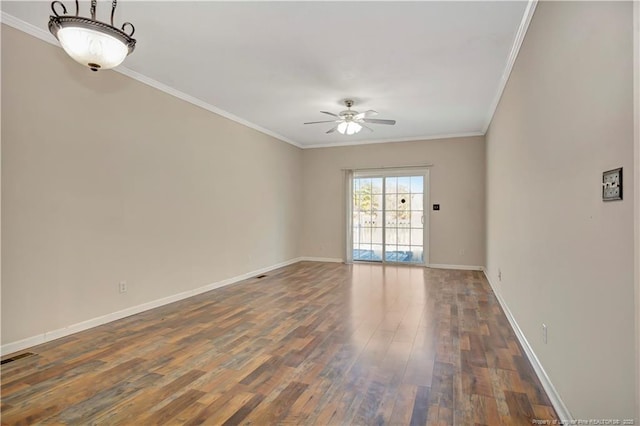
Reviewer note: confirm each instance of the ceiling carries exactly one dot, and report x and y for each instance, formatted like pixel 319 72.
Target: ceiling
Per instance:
pixel 437 68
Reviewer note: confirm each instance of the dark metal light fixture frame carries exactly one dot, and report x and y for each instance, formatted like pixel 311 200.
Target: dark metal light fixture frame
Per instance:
pixel 57 22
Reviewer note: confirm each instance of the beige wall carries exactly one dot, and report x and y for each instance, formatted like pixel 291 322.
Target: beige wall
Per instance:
pixel 1 32
pixel 636 114
pixel 456 180
pixel 106 179
pixel 567 257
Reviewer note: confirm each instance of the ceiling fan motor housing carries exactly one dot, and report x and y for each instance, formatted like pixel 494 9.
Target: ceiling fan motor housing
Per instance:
pixel 348 114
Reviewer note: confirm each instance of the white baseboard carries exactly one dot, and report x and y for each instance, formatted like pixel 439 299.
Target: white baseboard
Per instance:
pixel 321 259
pixel 460 267
pixel 433 265
pixel 94 322
pixel 561 409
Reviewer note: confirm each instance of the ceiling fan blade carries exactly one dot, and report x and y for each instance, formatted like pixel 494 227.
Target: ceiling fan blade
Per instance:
pixel 378 121
pixel 330 113
pixel 366 127
pixel 332 130
pixel 316 122
pixel 365 114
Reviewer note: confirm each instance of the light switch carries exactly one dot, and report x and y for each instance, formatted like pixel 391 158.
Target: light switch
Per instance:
pixel 612 185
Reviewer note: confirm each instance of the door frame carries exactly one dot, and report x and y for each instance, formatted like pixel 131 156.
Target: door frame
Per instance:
pixel 398 172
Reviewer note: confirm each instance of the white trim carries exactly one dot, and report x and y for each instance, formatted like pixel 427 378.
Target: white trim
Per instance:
pixel 375 171
pixel 43 35
pixel 390 171
pixel 426 215
pixel 197 102
pixel 411 139
pixel 393 172
pixel 320 259
pixel 561 409
pixel 37 32
pixel 23 26
pixel 348 217
pixel 520 34
pixel 94 322
pixel 459 267
pixel 515 49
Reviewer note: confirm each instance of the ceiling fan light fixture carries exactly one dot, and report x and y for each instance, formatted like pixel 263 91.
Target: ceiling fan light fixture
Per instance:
pixel 349 128
pixel 351 122
pixel 89 42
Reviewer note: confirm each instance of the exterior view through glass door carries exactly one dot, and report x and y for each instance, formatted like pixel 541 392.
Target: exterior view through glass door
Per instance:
pixel 388 218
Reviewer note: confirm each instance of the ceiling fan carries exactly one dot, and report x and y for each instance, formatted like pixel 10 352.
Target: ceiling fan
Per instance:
pixel 350 122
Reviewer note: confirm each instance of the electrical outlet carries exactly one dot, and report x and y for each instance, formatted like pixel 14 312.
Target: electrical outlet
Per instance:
pixel 544 333
pixel 123 287
pixel 612 185
pixel 461 252
pixel 499 275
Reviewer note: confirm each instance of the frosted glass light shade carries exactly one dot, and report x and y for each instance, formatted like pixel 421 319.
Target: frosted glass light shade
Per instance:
pixel 90 47
pixel 92 43
pixel 349 128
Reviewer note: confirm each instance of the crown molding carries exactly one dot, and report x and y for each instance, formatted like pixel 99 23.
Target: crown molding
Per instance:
pixel 411 139
pixel 515 48
pixel 43 35
pixel 511 60
pixel 25 27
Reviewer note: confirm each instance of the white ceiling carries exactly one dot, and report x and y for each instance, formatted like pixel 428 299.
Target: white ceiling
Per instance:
pixel 435 67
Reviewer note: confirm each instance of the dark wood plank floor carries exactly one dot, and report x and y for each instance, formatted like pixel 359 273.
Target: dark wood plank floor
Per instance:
pixel 312 343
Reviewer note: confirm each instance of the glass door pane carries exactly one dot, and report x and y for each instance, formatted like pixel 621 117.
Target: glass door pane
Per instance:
pixel 367 214
pixel 388 221
pixel 404 219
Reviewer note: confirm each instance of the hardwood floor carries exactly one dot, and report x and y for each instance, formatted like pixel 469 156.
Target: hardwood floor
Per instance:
pixel 311 343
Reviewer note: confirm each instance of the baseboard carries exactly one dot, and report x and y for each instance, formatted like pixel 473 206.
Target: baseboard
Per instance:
pixel 460 267
pixel 94 322
pixel 561 409
pixel 321 259
pixel 433 265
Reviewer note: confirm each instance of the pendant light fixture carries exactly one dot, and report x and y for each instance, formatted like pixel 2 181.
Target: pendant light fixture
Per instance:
pixel 92 43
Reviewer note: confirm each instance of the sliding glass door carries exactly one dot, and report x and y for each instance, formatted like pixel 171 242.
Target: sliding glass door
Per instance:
pixel 388 218
pixel 368 219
